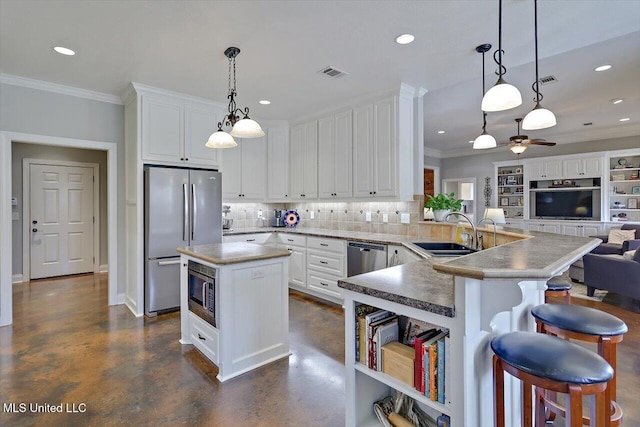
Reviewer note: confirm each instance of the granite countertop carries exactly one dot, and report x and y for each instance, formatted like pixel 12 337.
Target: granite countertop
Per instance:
pixel 356 236
pixel 232 253
pixel 415 284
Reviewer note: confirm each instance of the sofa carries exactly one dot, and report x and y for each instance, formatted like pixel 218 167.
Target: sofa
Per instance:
pixel 612 273
pixel 611 248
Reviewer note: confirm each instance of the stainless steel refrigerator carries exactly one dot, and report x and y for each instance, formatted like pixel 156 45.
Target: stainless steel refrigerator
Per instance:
pixel 182 207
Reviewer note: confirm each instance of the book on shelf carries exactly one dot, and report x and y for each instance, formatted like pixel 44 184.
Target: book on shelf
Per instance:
pixel 433 354
pixel 447 370
pixel 415 327
pixel 385 333
pixel 371 318
pixel 433 360
pixel 421 344
pixel 442 360
pixel 361 310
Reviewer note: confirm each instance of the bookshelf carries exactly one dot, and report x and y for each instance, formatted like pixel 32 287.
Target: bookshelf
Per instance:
pixel 624 187
pixel 510 190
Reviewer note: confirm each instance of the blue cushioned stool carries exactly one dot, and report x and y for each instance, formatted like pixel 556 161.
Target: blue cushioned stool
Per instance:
pixel 558 287
pixel 549 363
pixel 589 325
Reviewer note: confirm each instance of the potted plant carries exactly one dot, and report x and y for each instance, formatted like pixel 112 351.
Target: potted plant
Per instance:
pixel 442 204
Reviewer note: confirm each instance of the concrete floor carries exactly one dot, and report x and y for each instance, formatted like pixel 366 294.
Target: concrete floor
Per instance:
pixel 67 347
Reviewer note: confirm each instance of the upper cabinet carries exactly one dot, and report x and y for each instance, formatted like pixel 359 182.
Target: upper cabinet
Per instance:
pixel 244 170
pixel 174 131
pixel 303 158
pixel 588 167
pixel 334 156
pixel 548 169
pixel 278 163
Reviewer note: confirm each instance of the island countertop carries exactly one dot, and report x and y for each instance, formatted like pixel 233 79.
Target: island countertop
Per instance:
pixel 232 253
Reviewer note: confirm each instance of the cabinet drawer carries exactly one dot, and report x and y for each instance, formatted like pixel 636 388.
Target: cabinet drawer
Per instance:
pixel 205 338
pixel 258 238
pixel 332 245
pixel 327 262
pixel 292 239
pixel 323 283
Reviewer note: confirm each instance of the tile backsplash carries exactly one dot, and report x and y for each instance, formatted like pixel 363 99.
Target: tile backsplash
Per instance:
pixel 350 216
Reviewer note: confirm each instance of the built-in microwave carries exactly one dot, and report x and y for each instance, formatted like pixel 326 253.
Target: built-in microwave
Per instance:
pixel 202 292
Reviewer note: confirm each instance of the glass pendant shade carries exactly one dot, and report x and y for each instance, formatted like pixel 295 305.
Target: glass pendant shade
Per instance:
pixel 247 128
pixel 221 139
pixel 484 141
pixel 502 96
pixel 539 118
pixel 518 148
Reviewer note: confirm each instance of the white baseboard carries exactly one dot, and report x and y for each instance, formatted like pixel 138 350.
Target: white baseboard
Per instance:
pixel 17 278
pixel 104 268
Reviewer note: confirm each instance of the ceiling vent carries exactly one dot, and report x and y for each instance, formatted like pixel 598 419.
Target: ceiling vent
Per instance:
pixel 332 72
pixel 547 79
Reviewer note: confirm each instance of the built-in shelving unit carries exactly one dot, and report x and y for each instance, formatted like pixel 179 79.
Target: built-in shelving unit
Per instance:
pixel 511 190
pixel 624 187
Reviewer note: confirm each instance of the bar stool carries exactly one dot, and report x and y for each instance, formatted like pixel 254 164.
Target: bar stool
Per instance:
pixel 558 287
pixel 588 325
pixel 549 363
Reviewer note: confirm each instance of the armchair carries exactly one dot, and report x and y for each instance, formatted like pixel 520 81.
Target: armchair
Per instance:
pixel 611 248
pixel 612 273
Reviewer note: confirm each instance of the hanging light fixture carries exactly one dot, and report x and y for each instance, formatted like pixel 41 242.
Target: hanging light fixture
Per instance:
pixel 518 148
pixel 485 140
pixel 538 118
pixel 502 96
pixel 241 128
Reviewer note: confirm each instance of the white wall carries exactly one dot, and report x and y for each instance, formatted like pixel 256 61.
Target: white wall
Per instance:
pixel 40 112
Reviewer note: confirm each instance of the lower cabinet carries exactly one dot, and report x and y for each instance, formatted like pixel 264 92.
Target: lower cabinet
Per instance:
pixel 549 228
pixel 580 230
pixel 257 238
pixel 571 228
pixel 326 264
pixel 297 245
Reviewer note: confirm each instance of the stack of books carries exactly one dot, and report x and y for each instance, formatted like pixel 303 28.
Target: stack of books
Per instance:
pixel 430 346
pixel 374 329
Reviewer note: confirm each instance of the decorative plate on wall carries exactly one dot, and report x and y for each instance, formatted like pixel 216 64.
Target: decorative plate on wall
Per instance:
pixel 291 218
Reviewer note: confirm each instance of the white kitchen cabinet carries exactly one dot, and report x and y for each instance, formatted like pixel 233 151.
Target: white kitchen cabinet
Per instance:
pixel 516 223
pixel 326 264
pixel 175 131
pixel 256 238
pixel 375 149
pixel 244 170
pixel 298 265
pixel 303 171
pixel 583 230
pixel 589 167
pixel 546 227
pixel 334 156
pixel 549 169
pixel 278 163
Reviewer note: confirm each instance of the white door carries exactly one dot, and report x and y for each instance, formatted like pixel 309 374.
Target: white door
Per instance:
pixel 61 216
pixel 343 150
pixel 199 123
pixel 277 163
pixel 254 168
pixel 296 162
pixel 363 151
pixel 384 157
pixel 326 138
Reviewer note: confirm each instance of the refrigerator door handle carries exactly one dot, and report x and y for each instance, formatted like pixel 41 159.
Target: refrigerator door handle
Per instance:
pixel 194 212
pixel 185 216
pixel 175 261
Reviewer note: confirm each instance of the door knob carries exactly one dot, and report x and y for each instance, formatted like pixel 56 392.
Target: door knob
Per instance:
pixel 34 229
pixel 34 222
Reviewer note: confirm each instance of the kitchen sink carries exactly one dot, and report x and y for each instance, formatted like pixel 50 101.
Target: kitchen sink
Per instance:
pixel 444 248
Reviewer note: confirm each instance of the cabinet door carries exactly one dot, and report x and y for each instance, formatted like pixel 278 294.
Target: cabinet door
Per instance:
pixel 199 123
pixel 536 227
pixel 572 229
pixel 342 152
pixel 551 228
pixel 591 230
pixel 310 172
pixel 326 158
pixel 254 168
pixel 385 143
pixel 553 169
pixel 162 129
pixel 296 161
pixel 277 163
pixel 572 168
pixel 298 266
pixel 232 172
pixel 592 167
pixel 363 151
pixel 535 171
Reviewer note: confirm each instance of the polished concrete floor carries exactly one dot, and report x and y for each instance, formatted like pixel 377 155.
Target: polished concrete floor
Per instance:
pixel 67 347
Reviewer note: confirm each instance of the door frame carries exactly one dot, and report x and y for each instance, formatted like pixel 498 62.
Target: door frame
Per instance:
pixel 6 239
pixel 26 205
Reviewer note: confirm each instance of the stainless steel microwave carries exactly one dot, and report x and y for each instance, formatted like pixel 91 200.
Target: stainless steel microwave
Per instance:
pixel 202 292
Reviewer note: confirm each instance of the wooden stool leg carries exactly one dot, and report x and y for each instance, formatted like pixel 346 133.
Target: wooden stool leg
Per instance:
pixel 599 411
pixel 541 416
pixel 608 351
pixel 498 391
pixel 526 404
pixel 574 409
pixel 567 298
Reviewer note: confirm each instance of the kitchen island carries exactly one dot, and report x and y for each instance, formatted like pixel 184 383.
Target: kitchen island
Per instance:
pixel 234 304
pixel 476 297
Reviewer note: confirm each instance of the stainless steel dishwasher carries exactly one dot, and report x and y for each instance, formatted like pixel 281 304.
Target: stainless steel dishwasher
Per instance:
pixel 365 257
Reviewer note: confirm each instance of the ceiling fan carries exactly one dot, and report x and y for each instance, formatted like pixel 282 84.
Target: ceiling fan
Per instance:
pixel 519 143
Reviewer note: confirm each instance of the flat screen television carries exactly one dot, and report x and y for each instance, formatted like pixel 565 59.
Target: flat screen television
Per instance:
pixel 564 204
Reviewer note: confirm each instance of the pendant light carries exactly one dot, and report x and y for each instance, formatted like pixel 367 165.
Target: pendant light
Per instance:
pixel 241 128
pixel 538 118
pixel 485 140
pixel 502 96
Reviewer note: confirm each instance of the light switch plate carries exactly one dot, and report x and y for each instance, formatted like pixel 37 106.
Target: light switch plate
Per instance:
pixel 367 216
pixel 405 218
pixel 312 215
pixel 260 213
pixel 385 217
pixel 14 201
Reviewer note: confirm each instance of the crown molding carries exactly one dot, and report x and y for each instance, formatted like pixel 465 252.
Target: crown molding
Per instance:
pixel 142 88
pixel 12 80
pixel 432 152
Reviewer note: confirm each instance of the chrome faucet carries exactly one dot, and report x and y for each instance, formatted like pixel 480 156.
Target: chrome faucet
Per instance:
pixel 473 227
pixel 494 228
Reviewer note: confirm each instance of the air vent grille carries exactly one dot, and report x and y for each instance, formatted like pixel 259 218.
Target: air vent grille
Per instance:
pixel 332 72
pixel 547 79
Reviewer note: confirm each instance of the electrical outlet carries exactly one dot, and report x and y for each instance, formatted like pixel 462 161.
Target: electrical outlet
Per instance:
pixel 15 215
pixel 260 214
pixel 405 218
pixel 367 216
pixel 385 217
pixel 312 215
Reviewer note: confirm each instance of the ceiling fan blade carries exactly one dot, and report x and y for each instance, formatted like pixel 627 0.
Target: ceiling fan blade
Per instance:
pixel 541 142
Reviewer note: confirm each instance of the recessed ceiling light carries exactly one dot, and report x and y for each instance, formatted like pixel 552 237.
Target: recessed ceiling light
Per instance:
pixel 615 101
pixel 440 131
pixel 405 38
pixel 265 102
pixel 626 119
pixel 64 51
pixel 602 68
